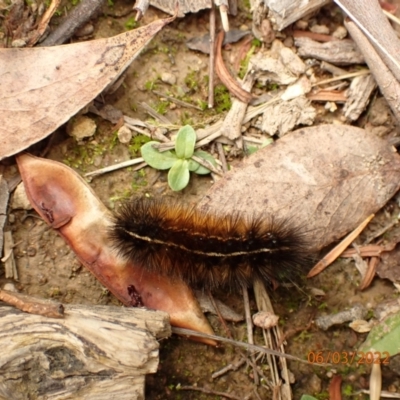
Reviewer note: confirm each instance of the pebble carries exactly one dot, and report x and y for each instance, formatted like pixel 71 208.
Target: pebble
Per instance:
pixel 18 43
pixel 10 287
pixel 301 24
pixel 20 199
pixel 340 32
pixel 81 127
pixel 320 29
pixel 169 78
pixel 85 30
pixel 124 134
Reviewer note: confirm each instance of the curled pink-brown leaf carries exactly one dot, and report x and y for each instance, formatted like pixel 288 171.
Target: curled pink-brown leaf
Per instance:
pixel 68 204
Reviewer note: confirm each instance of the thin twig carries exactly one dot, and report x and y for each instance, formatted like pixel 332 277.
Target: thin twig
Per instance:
pixel 44 22
pixel 206 164
pixel 153 113
pixel 228 368
pixel 337 250
pixel 341 77
pixel 221 318
pixel 177 101
pixel 249 325
pixel 114 167
pixel 211 58
pixel 222 157
pixel 247 346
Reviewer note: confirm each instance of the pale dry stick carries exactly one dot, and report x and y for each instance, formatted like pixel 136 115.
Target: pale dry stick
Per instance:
pixel 222 157
pixel 223 11
pixel 247 346
pixel 228 368
pixel 211 60
pixel 273 340
pixel 31 305
pixel 333 69
pixel 384 394
pixel 10 266
pixel 139 167
pixel 221 318
pixel 177 101
pixel 391 17
pixel 341 77
pixel 136 122
pixel 381 231
pixel 375 381
pixel 206 164
pixel 44 22
pixel 114 167
pixel 153 113
pixel 138 130
pixel 249 325
pixel 338 250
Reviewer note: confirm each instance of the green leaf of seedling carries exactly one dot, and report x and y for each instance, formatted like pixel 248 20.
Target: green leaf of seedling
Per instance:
pixel 178 175
pixel 193 165
pixel 206 156
pixel 307 397
pixel 383 338
pixel 185 141
pixel 156 159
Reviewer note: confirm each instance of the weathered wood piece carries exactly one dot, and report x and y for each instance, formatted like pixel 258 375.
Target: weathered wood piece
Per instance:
pixel 339 52
pixel 359 95
pixel 285 12
pixel 3 208
pixel 95 352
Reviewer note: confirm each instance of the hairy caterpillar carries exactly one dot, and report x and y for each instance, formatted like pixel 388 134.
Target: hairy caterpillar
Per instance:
pixel 204 249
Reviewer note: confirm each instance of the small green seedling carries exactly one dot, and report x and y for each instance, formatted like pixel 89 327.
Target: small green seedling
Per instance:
pixel 179 162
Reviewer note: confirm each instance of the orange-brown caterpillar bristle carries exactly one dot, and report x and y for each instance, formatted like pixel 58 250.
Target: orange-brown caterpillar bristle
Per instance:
pixel 204 249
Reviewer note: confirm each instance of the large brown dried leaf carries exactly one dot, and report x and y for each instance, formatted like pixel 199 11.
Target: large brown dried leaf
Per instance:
pixel 324 179
pixel 41 88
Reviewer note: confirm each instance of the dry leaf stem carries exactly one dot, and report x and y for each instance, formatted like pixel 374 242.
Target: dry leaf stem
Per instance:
pixel 226 78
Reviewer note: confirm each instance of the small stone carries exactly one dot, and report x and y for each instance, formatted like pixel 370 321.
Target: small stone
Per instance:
pixel 18 43
pixel 265 319
pixel 124 134
pixel 20 199
pixel 301 24
pixel 81 127
pixel 169 78
pixel 330 106
pixel 85 30
pixel 323 29
pixel 340 32
pixel 314 385
pixel 10 287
